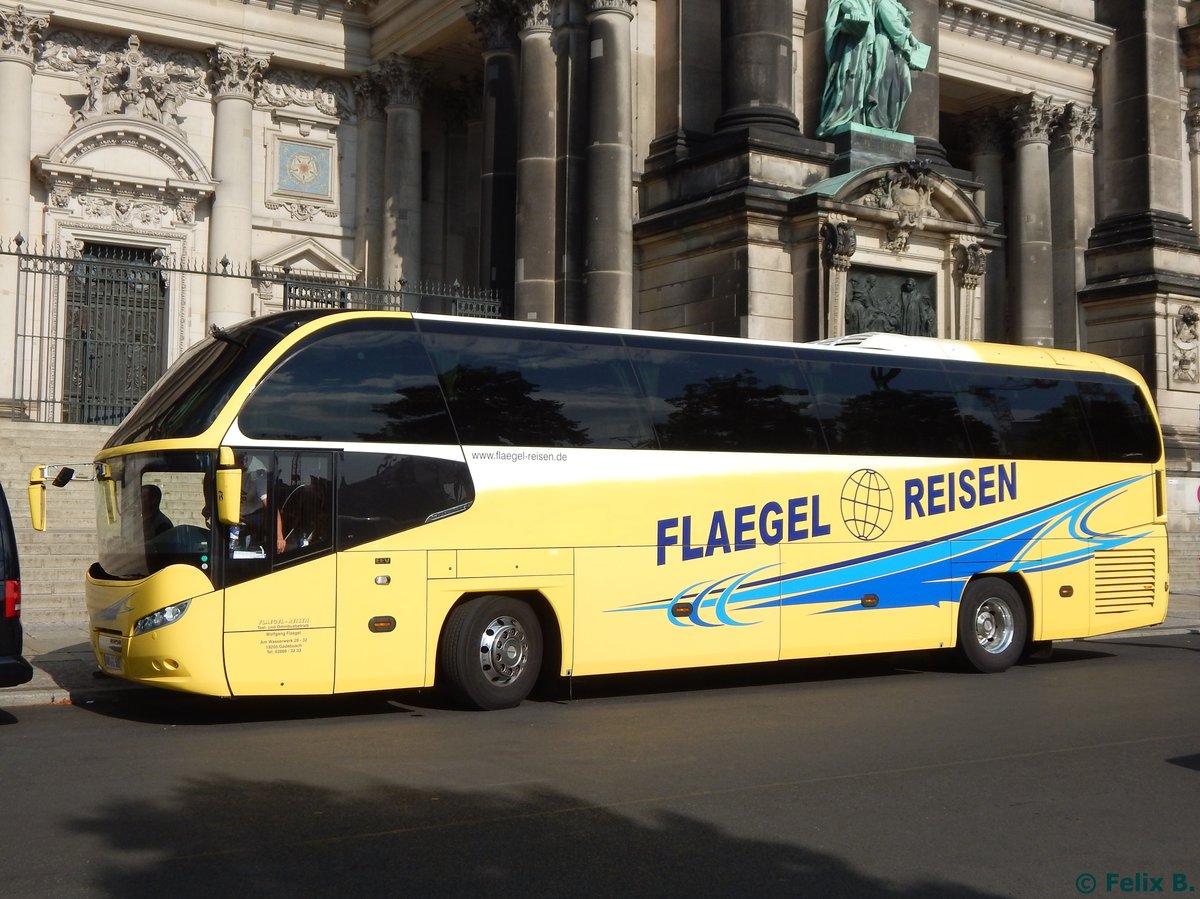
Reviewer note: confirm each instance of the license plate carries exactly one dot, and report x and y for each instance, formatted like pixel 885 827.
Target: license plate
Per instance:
pixel 112 662
pixel 110 644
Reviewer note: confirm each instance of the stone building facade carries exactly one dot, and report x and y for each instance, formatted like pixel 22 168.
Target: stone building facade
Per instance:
pixel 649 163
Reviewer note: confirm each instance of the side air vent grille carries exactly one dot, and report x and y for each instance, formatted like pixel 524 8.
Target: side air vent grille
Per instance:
pixel 1125 580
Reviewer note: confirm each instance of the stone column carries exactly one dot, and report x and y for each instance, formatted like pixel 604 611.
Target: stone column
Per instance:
pixel 370 171
pixel 462 180
pixel 969 260
pixel 989 135
pixel 493 20
pixel 1030 240
pixel 756 58
pixel 610 166
pixel 1192 123
pixel 921 116
pixel 20 36
pixel 572 49
pixel 839 244
pixel 536 169
pixel 687 60
pixel 1189 49
pixel 405 83
pixel 1073 215
pixel 236 76
pixel 1141 153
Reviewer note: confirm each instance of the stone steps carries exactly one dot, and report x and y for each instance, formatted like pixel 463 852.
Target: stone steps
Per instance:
pixel 53 563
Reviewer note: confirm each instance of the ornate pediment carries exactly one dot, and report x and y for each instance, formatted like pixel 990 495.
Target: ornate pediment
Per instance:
pixel 907 192
pixel 902 199
pixel 127 169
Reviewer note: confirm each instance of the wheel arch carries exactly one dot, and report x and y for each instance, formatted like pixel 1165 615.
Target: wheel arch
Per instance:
pixel 1017 581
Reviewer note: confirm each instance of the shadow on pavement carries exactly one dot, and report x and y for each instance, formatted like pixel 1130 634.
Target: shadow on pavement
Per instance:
pixel 225 836
pixel 1191 762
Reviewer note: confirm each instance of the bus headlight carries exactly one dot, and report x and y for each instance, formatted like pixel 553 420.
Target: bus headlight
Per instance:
pixel 161 618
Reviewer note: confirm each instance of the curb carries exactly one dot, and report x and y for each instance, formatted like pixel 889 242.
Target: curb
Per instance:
pixel 1174 631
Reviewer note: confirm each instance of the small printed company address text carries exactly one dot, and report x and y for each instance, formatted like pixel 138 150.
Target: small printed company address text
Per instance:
pixel 1140 883
pixel 284 642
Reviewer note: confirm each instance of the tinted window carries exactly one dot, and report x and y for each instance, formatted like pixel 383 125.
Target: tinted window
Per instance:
pixel 714 397
pixel 186 400
pixel 894 408
pixel 507 387
pixel 1122 425
pixel 1023 414
pixel 380 494
pixel 363 380
pixel 286 512
pixel 304 495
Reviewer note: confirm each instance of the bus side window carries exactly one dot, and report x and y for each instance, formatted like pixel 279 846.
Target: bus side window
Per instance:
pixel 726 399
pixel 383 493
pixel 1023 414
pixel 362 380
pixel 1121 424
pixel 546 388
pixel 894 409
pixel 304 500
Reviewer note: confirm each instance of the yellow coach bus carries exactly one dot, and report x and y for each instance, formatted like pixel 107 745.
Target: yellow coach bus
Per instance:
pixel 328 502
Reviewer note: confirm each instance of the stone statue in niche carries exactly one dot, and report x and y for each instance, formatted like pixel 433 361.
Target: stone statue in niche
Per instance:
pixel 870 52
pixel 890 302
pixel 1184 343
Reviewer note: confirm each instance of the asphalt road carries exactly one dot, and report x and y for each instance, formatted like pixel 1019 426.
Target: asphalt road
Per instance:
pixel 893 776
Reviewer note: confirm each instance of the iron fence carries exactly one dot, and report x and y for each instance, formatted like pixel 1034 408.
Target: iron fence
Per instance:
pixel 92 324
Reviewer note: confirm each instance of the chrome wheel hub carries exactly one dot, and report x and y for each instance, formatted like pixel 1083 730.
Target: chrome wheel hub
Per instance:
pixel 503 650
pixel 994 626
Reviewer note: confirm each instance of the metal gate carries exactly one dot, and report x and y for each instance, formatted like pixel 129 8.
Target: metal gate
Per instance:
pixel 115 318
pixel 90 331
pixel 91 325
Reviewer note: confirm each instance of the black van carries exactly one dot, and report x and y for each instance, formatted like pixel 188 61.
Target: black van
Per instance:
pixel 13 668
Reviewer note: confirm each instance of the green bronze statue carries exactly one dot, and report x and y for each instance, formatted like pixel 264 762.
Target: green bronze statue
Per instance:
pixel 871 53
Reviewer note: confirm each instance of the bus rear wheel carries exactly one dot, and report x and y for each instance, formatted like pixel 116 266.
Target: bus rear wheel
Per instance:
pixel 991 625
pixel 491 652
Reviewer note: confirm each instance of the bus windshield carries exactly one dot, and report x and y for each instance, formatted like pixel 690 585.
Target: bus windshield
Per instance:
pixel 154 512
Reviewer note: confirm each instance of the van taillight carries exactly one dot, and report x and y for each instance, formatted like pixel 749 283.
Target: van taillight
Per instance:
pixel 12 599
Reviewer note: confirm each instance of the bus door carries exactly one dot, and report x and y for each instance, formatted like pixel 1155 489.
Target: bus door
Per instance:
pixel 381 611
pixel 280 575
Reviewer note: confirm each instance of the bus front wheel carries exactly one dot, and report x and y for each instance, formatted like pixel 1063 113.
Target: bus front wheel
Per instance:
pixel 991 625
pixel 491 652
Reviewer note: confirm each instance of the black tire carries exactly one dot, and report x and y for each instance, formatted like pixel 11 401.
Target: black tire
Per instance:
pixel 992 625
pixel 491 652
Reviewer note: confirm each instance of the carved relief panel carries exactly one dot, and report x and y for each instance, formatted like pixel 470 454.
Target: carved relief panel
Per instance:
pixel 1184 346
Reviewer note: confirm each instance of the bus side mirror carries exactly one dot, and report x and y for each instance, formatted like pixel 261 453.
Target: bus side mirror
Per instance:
pixel 37 497
pixel 229 495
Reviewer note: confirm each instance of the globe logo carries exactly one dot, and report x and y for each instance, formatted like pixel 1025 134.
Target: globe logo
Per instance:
pixel 866 504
